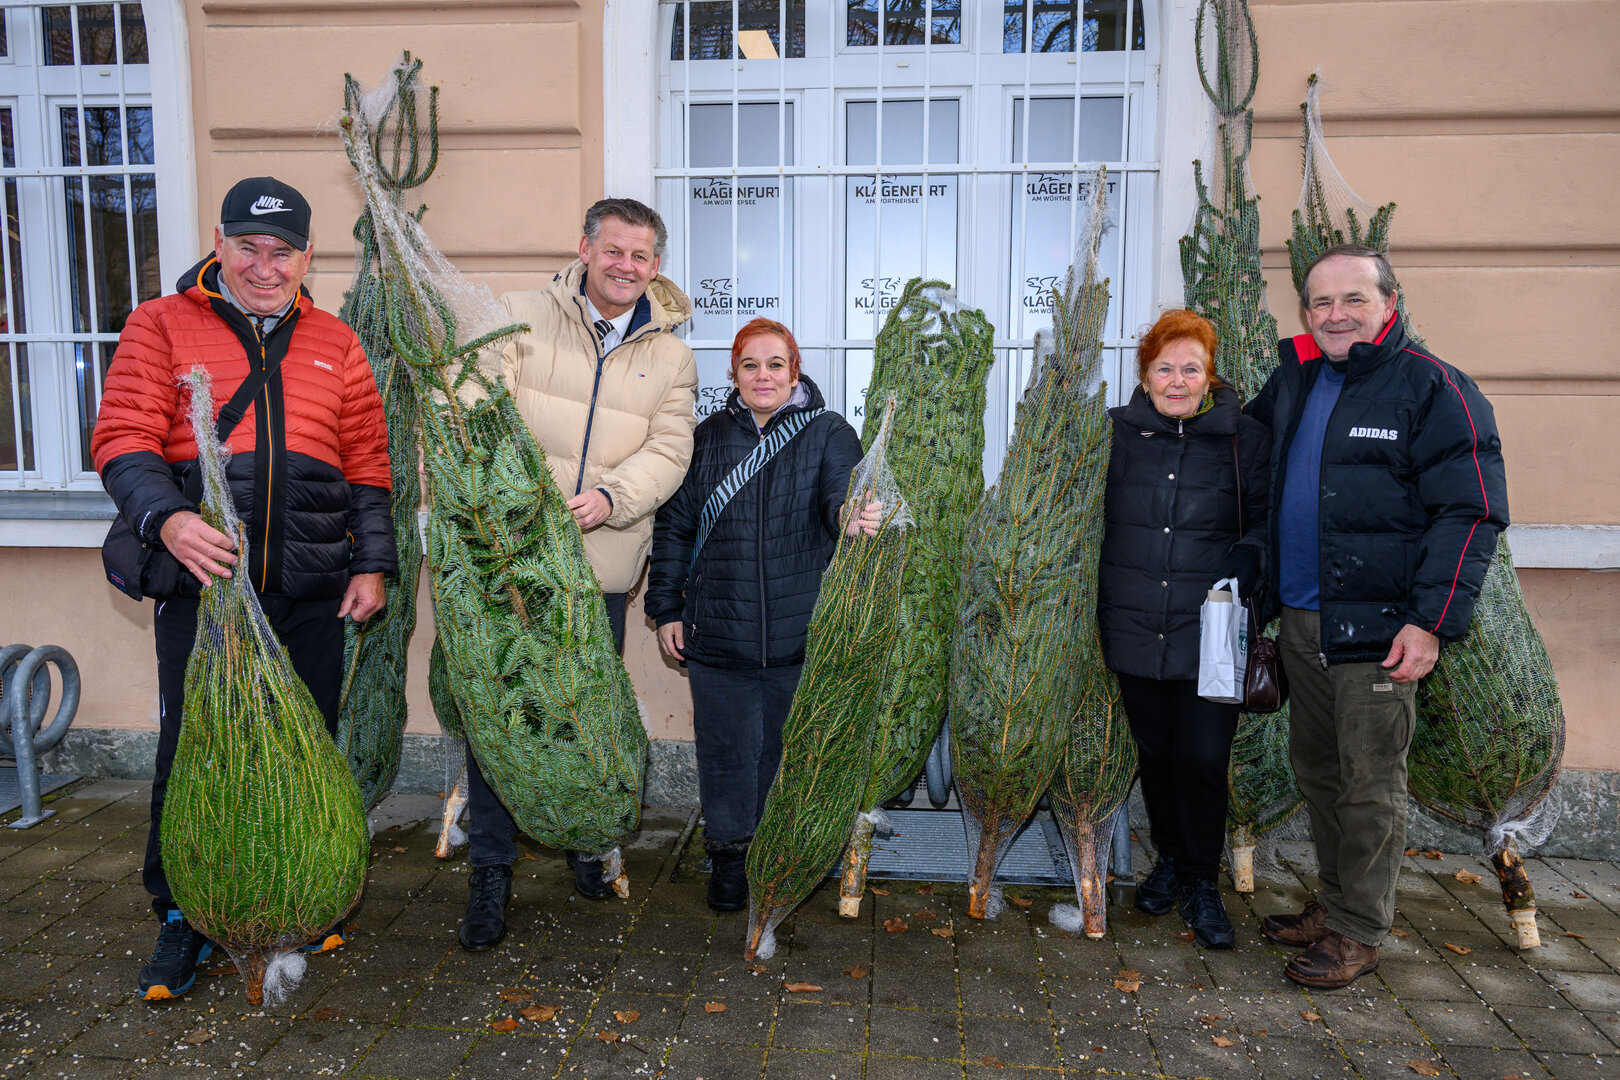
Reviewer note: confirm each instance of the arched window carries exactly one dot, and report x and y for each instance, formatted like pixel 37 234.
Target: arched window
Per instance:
pixel 85 157
pixel 814 155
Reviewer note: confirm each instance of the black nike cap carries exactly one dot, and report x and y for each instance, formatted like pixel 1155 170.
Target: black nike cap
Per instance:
pixel 263 204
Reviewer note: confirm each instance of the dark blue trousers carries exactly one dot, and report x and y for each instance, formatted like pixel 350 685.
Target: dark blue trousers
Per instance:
pixel 737 717
pixel 491 832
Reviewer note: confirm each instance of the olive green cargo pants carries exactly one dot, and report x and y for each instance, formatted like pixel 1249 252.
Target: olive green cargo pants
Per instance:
pixel 1350 727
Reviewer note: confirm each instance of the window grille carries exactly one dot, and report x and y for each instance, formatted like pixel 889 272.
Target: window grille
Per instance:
pixel 900 137
pixel 80 201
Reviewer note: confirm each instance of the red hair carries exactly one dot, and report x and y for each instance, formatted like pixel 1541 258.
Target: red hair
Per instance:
pixel 1172 326
pixel 763 327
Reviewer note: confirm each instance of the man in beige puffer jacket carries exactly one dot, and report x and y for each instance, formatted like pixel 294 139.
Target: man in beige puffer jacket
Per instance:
pixel 609 392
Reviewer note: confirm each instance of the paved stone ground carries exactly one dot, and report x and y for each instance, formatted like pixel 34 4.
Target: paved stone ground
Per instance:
pixel 633 988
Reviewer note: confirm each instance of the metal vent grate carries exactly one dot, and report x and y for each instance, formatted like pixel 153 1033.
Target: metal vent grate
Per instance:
pixel 11 794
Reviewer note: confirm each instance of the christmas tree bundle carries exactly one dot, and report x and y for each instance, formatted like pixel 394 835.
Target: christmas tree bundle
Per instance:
pixel 827 738
pixel 371 721
pixel 1490 725
pixel 529 661
pixel 1017 663
pixel 933 356
pixel 1220 269
pixel 264 836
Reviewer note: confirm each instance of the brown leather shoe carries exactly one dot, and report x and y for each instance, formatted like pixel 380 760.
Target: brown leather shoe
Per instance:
pixel 1306 928
pixel 1335 961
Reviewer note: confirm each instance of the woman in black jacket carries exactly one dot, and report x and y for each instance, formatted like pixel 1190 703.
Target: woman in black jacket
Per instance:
pixel 735 611
pixel 1173 528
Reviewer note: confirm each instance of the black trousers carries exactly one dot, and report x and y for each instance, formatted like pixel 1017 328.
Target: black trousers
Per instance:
pixel 491 832
pixel 737 718
pixel 1184 746
pixel 311 633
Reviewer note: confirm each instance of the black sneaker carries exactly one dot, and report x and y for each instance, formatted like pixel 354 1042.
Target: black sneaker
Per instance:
pixel 588 880
pixel 173 967
pixel 484 925
pixel 728 875
pixel 1204 911
pixel 1157 895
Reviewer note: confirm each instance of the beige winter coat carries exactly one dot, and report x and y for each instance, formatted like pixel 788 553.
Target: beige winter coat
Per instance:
pixel 628 416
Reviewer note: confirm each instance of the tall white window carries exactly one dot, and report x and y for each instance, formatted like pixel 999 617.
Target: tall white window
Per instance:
pixel 80 203
pixel 814 155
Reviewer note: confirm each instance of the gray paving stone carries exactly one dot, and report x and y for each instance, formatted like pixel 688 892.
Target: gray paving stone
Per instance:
pixel 1002 993
pixel 1587 990
pixel 918 1033
pixel 704 1062
pixel 1426 982
pixel 1506 1064
pixel 310 1046
pixel 497 1057
pixel 1394 1061
pixel 1578 1066
pixel 1556 1030
pixel 745 1022
pixel 1284 1057
pixel 1460 1023
pixel 1509 984
pixel 817 1026
pixel 879 1067
pixel 913 986
pixel 1013 1040
pixel 407 1053
pixel 1184 1053
pixel 1365 1017
pixel 1113 1047
pixel 811 1065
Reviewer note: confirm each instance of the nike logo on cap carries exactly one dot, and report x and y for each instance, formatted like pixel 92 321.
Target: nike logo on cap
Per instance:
pixel 267 204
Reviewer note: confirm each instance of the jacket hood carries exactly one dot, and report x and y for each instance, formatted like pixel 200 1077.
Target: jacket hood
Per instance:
pixel 668 306
pixel 1220 420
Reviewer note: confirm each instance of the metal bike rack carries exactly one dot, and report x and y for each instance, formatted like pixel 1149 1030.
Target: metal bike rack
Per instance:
pixel 25 694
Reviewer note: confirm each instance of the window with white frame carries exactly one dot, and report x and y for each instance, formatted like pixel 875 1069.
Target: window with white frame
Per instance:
pixel 814 155
pixel 79 188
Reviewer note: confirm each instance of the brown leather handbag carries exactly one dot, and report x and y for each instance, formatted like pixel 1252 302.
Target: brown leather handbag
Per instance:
pixel 1265 685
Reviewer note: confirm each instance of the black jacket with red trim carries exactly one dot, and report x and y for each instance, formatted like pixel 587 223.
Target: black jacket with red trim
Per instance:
pixel 1413 490
pixel 308 470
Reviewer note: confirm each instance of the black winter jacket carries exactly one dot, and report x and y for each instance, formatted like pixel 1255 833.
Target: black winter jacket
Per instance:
pixel 1171 529
pixel 1413 490
pixel 750 596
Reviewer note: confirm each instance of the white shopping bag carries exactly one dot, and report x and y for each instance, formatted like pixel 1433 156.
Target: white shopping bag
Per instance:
pixel 1223 644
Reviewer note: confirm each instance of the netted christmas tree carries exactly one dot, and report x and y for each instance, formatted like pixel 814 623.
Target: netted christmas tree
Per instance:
pixel 264 836
pixel 827 738
pixel 1220 270
pixel 932 356
pixel 371 721
pixel 1490 725
pixel 1099 758
pixel 529 662
pixel 1017 662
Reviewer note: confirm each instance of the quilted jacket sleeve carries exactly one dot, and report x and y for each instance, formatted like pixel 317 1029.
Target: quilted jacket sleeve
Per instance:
pixel 1462 484
pixel 138 406
pixel 674 533
pixel 640 483
pixel 363 450
pixel 843 453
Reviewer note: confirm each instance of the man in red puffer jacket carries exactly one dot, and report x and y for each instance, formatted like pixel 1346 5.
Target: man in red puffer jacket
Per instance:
pixel 308 472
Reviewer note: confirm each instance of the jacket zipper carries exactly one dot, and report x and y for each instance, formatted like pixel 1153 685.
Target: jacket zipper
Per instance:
pixel 590 416
pixel 759 561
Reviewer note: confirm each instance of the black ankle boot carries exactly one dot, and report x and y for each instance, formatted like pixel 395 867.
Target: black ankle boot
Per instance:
pixel 1204 911
pixel 728 874
pixel 1157 894
pixel 588 880
pixel 485 922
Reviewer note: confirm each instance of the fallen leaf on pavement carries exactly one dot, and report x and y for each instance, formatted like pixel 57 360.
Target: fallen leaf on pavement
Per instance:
pixel 924 913
pixel 627 1016
pixel 714 1006
pixel 925 890
pixel 990 1061
pixel 802 988
pixel 1129 973
pixel 942 931
pixel 1129 986
pixel 1410 851
pixel 515 995
pixel 1185 935
pixel 757 969
pixel 538 1013
pixel 1307 1014
pixel 1220 1040
pixel 1423 1068
pixel 325 1013
pixel 508 1024
pixel 608 1036
pixel 879 892
pixel 1434 853
pixel 1579 895
pixel 1573 934
pixel 528 855
pixel 856 972
pixel 1467 877
pixel 1398 932
pixel 198 1037
pixel 1209 1019
pixel 896 925
pixel 1020 901
pixel 1460 950
pixel 398 849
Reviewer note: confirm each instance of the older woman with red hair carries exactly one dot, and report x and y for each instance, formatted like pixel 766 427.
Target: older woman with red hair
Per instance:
pixel 737 559
pixel 1185 506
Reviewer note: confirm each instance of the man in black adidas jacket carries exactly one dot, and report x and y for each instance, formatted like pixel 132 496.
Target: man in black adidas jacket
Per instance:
pixel 1387 495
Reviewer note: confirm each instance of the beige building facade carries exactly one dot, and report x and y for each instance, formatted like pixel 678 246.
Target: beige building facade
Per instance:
pixel 1490 123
